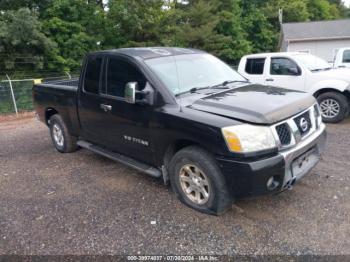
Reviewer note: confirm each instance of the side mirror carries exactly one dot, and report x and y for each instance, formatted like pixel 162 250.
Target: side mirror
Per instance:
pixel 130 91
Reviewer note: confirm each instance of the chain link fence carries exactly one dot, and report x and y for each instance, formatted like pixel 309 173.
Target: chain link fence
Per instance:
pixel 16 94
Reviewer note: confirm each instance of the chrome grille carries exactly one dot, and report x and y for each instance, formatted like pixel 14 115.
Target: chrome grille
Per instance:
pixel 291 131
pixel 284 134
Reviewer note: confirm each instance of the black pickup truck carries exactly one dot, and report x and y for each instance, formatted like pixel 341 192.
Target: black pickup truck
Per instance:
pixel 186 117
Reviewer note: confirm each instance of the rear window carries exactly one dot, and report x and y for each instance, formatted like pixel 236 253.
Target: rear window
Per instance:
pixel 346 56
pixel 92 74
pixel 255 66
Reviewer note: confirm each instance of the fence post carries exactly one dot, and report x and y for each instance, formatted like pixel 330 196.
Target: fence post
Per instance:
pixel 13 95
pixel 67 73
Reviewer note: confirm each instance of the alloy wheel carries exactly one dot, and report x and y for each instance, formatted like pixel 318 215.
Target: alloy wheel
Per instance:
pixel 330 108
pixel 58 135
pixel 195 184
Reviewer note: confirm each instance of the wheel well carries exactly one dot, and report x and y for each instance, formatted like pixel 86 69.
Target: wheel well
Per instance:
pixel 174 148
pixel 49 112
pixel 326 90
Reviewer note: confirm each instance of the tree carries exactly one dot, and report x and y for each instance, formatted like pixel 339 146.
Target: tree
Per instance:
pixel 38 5
pixel 23 46
pixel 135 23
pixel 323 10
pixel 212 26
pixel 230 25
pixel 262 34
pixel 293 11
pixel 75 26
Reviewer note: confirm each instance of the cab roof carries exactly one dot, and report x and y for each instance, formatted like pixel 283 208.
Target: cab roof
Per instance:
pixel 260 55
pixel 151 52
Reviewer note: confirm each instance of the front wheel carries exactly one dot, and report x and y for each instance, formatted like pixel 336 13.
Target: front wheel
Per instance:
pixel 198 182
pixel 334 107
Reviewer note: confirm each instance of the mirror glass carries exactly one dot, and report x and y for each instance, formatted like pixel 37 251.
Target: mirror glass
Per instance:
pixel 129 93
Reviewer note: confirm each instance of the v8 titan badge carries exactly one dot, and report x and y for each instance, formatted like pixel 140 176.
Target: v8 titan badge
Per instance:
pixel 136 140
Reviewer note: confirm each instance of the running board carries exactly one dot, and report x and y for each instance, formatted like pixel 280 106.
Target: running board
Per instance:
pixel 152 171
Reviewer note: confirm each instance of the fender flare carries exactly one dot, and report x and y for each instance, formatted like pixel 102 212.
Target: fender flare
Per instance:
pixel 337 85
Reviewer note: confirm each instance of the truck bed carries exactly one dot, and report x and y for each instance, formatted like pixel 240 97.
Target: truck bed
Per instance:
pixel 70 83
pixel 60 95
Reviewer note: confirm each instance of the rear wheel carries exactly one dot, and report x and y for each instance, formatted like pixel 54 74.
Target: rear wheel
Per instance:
pixel 334 107
pixel 62 140
pixel 198 182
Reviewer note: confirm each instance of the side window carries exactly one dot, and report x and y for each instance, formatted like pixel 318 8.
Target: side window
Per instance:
pixel 255 66
pixel 283 66
pixel 346 56
pixel 92 74
pixel 119 73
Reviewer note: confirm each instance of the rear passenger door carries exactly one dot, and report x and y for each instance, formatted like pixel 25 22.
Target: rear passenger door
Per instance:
pixel 89 100
pixel 254 70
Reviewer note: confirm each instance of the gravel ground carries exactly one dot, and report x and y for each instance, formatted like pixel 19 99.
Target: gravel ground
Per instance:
pixel 82 203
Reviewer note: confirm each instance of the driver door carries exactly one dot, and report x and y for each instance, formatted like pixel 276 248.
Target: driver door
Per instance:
pixel 284 72
pixel 126 126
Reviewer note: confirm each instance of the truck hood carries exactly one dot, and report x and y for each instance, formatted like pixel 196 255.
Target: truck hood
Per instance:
pixel 255 103
pixel 336 73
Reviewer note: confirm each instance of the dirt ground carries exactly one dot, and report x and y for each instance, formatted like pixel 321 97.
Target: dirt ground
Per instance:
pixel 82 203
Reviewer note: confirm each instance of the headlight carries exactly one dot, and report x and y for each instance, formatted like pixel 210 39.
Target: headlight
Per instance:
pixel 248 138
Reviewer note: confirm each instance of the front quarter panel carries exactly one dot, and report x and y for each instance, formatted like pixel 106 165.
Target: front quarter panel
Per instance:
pixel 173 124
pixel 338 85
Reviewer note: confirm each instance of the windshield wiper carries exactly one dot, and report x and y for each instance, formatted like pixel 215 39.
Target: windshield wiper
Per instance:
pixel 224 84
pixel 193 90
pixel 321 69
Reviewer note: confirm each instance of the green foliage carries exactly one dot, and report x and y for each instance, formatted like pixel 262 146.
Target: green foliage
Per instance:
pixel 135 23
pixel 322 10
pixel 45 38
pixel 21 37
pixel 30 4
pixel 74 26
pixel 56 34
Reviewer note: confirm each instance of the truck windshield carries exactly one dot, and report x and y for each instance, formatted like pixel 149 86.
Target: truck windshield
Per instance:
pixel 183 73
pixel 311 62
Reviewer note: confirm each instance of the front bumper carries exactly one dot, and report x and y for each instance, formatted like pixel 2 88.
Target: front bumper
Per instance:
pixel 248 179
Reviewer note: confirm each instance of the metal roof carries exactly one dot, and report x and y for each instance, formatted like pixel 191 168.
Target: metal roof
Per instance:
pixel 321 30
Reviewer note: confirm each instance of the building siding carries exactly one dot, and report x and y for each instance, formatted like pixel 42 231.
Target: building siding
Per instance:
pixel 322 48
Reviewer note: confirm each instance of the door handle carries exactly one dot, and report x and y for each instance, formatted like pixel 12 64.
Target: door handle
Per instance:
pixel 106 107
pixel 270 80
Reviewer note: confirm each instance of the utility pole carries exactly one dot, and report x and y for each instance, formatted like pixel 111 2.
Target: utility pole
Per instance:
pixel 280 16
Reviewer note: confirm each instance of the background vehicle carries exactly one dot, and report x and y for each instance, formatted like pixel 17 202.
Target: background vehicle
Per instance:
pixel 342 58
pixel 303 72
pixel 186 116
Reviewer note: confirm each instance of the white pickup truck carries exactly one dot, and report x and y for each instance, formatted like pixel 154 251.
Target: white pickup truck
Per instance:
pixel 304 72
pixel 342 58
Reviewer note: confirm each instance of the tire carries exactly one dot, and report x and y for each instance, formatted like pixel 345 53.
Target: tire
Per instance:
pixel 334 107
pixel 210 179
pixel 61 139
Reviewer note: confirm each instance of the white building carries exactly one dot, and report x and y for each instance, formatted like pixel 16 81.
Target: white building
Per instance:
pixel 321 38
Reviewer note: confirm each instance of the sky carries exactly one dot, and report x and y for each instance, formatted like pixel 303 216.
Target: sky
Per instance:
pixel 347 2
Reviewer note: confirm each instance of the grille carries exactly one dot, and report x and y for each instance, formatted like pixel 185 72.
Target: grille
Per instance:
pixel 303 123
pixel 284 134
